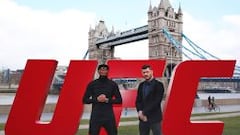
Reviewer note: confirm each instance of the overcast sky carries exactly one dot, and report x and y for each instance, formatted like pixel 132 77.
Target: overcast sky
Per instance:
pixel 58 29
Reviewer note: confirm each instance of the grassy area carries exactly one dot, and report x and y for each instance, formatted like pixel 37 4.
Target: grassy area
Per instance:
pixel 123 130
pixel 2 126
pixel 212 113
pixel 231 126
pixel 86 121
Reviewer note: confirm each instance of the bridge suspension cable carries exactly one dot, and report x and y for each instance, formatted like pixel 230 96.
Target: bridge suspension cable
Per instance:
pixel 195 49
pixel 85 55
pixel 193 45
pixel 177 44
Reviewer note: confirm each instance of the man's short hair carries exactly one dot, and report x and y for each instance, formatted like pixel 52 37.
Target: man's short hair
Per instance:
pixel 103 66
pixel 146 66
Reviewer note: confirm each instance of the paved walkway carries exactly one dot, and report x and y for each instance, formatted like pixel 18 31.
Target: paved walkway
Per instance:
pixel 204 117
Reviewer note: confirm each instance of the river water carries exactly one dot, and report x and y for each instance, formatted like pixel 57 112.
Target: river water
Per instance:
pixel 7 99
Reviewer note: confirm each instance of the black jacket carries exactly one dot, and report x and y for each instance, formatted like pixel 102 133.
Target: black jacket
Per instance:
pixel 151 104
pixel 102 86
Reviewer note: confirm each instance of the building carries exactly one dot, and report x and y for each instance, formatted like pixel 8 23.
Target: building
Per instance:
pixel 160 17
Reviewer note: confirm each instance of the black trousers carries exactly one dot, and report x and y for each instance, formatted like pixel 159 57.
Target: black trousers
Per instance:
pixel 145 127
pixel 109 125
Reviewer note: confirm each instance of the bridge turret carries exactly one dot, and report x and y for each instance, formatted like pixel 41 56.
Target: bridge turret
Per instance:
pixel 180 11
pixel 179 17
pixel 164 4
pixel 150 7
pixel 101 29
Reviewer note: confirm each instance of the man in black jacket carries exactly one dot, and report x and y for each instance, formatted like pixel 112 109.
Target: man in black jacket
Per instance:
pixel 148 103
pixel 102 93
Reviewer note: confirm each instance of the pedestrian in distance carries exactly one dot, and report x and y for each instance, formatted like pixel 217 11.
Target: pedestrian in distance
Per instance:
pixel 213 102
pixel 148 103
pixel 209 101
pixel 102 93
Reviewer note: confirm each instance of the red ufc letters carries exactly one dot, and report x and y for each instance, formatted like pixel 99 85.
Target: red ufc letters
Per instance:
pixel 24 117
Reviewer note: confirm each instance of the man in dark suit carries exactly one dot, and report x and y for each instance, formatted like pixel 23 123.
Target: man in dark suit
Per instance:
pixel 148 103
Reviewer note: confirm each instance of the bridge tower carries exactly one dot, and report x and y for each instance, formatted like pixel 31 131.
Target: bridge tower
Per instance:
pixel 100 53
pixel 160 47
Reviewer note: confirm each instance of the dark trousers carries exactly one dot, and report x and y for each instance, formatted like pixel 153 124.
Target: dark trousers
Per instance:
pixel 109 125
pixel 145 127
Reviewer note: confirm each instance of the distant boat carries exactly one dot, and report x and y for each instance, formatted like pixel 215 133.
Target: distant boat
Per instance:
pixel 217 90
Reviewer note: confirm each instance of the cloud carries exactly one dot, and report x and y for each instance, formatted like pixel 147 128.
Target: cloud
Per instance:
pixel 234 20
pixel 40 34
pixel 26 33
pixel 219 37
pixel 135 50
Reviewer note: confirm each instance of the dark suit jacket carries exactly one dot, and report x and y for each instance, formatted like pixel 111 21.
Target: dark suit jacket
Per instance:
pixel 151 104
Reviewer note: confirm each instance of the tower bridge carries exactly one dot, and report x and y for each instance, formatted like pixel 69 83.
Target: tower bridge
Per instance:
pixel 164 32
pixel 136 34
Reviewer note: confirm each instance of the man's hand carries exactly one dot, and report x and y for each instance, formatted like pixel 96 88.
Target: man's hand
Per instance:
pixel 102 98
pixel 142 116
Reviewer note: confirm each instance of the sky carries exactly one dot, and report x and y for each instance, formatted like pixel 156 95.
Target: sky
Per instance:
pixel 58 29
